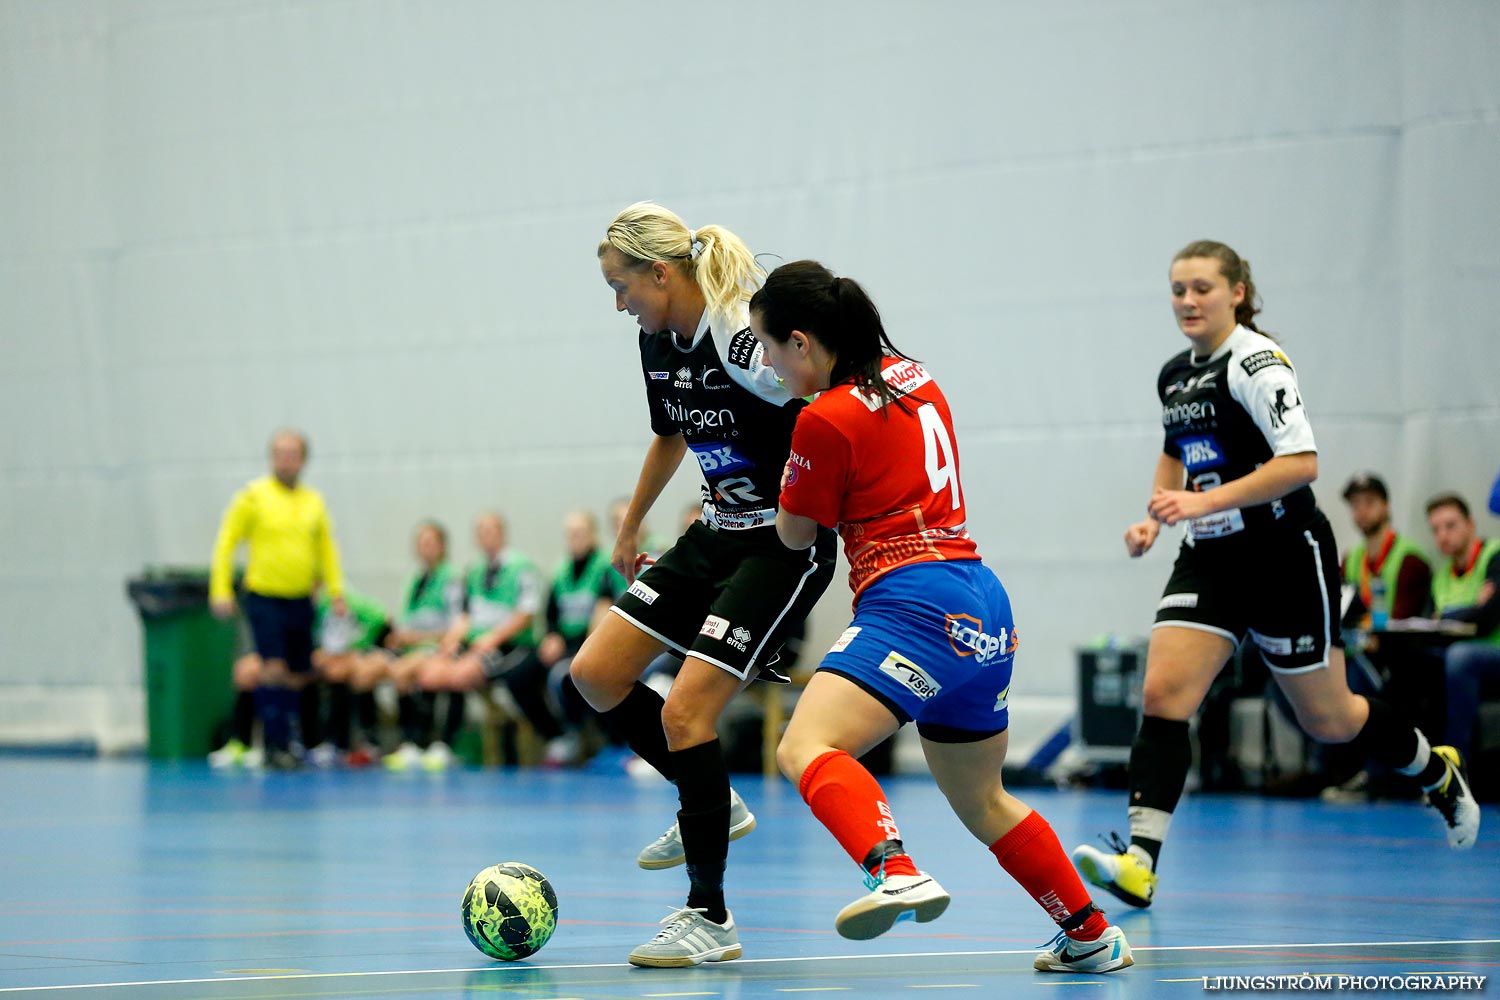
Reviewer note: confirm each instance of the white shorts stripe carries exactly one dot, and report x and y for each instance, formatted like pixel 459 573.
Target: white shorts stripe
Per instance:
pixel 1198 627
pixel 649 631
pixel 812 567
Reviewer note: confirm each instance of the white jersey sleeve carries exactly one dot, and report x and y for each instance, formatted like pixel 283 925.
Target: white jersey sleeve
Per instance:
pixel 1263 381
pixel 744 358
pixel 529 601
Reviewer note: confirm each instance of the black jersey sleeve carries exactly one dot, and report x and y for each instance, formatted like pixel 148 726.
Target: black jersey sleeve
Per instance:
pixel 1168 448
pixel 662 423
pixel 553 613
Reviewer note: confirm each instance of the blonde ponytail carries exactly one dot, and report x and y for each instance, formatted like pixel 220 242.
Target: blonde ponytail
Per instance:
pixel 716 259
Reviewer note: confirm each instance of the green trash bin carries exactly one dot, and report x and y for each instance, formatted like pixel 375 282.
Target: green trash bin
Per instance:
pixel 189 658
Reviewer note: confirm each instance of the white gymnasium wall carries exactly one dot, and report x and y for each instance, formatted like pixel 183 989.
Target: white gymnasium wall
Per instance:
pixel 376 221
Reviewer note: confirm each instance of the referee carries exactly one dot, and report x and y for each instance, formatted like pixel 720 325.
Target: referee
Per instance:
pixel 291 550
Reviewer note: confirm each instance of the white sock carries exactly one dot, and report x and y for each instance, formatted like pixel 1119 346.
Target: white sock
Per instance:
pixel 1148 824
pixel 1419 762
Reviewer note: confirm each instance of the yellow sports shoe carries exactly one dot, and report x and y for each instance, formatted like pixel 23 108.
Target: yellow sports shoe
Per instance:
pixel 1454 802
pixel 1122 874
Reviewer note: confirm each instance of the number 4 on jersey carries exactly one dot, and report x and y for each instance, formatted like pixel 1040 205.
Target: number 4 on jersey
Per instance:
pixel 942 468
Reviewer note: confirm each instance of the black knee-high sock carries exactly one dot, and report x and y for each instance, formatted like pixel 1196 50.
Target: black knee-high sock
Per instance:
pixel 311 714
pixel 244 717
pixel 1399 745
pixel 275 726
pixel 639 718
pixel 414 714
pixel 703 790
pixel 1159 763
pixel 528 686
pixel 574 709
pixel 453 716
pixel 364 711
pixel 339 716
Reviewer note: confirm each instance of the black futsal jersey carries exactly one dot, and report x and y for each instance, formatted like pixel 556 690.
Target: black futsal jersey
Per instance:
pixel 728 592
pixel 731 410
pixel 1269 572
pixel 1229 414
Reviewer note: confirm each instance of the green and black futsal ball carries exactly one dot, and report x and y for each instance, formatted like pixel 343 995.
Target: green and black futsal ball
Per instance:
pixel 509 911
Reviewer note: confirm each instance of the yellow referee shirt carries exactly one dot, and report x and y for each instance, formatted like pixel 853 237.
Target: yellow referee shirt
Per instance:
pixel 290 538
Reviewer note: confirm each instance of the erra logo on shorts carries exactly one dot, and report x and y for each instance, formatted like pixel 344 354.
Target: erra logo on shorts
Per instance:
pixel 909 675
pixel 967 636
pixel 739 638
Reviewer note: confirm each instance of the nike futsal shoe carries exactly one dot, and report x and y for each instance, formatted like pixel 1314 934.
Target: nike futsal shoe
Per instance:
pixel 1455 803
pixel 689 938
pixel 1122 873
pixel 892 898
pixel 1108 952
pixel 666 851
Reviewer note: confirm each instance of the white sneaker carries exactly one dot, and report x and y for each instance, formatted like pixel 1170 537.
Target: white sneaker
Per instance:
pixel 666 851
pixel 1106 953
pixel 254 759
pixel 323 755
pixel 689 938
pixel 229 755
pixel 405 757
pixel 637 768
pixel 1454 802
pixel 561 751
pixel 1122 873
pixel 438 757
pixel 891 899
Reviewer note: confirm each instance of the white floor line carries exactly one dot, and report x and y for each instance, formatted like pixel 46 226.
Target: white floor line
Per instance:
pixel 742 961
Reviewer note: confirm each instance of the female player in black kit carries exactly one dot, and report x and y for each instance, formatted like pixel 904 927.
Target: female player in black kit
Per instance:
pixel 727 592
pixel 1258 561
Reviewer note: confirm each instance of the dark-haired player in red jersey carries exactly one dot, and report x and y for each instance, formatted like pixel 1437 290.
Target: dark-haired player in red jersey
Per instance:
pixel 932 640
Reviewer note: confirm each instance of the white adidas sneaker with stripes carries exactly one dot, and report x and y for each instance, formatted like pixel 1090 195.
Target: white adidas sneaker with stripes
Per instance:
pixel 689 938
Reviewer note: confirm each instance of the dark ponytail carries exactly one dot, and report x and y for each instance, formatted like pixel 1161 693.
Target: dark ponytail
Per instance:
pixel 804 295
pixel 1236 271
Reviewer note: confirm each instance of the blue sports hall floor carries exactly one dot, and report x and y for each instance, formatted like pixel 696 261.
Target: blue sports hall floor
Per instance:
pixel 122 879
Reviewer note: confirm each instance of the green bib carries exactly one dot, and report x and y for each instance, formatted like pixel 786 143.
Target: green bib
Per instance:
pixel 352 632
pixel 1452 591
pixel 1356 573
pixel 576 598
pixel 511 588
pixel 433 607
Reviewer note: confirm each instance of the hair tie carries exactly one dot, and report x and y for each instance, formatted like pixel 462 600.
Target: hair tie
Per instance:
pixel 697 245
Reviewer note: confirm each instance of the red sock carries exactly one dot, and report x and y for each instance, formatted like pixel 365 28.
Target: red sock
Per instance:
pixel 1033 857
pixel 850 803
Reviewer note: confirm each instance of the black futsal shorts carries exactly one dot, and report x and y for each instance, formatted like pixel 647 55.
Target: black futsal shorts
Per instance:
pixel 1280 590
pixel 729 597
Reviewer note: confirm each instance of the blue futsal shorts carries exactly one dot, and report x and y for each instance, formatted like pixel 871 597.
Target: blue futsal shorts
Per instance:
pixel 934 642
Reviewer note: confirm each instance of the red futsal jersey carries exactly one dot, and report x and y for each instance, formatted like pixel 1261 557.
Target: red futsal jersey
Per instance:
pixel 887 476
